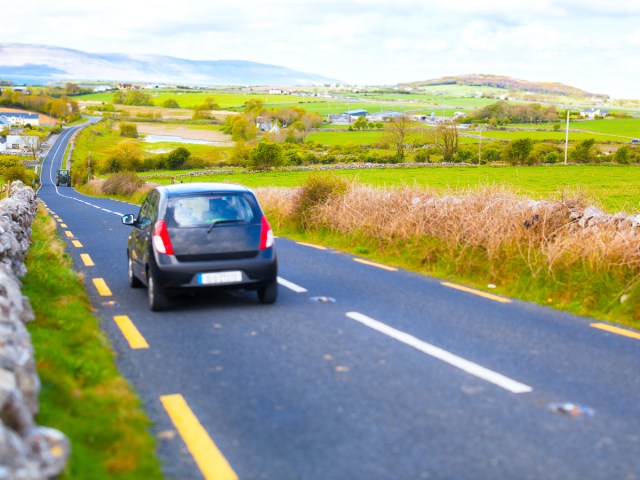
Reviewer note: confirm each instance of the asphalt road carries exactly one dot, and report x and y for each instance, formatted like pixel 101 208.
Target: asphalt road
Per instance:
pixel 359 371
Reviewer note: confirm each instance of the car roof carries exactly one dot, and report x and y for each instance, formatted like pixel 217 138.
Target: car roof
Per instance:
pixel 201 187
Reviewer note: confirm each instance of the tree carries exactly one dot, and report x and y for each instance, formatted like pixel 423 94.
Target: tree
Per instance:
pixel 265 156
pixel 254 107
pixel 518 151
pixel 361 123
pixel 211 104
pixel 31 143
pixel 239 153
pixel 399 135
pixel 240 127
pixel 72 89
pixel 132 97
pixel 201 112
pixel 447 133
pixel 584 152
pixel 622 155
pixel 12 169
pixel 125 157
pixel 177 158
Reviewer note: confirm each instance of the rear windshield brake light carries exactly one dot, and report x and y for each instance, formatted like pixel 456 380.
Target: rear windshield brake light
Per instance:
pixel 161 240
pixel 266 235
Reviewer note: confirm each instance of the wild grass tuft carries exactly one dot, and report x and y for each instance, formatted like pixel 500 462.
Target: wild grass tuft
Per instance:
pixel 536 251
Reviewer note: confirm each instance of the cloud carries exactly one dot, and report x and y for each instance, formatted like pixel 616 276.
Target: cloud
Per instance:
pixel 363 41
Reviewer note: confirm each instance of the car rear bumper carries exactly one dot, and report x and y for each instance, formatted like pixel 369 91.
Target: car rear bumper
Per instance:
pixel 171 274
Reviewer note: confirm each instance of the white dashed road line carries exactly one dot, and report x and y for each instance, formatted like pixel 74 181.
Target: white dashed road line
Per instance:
pixel 447 357
pixel 291 285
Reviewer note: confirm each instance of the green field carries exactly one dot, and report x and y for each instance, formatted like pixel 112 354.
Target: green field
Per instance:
pixel 345 137
pixel 612 188
pixel 189 99
pixel 550 136
pixel 624 127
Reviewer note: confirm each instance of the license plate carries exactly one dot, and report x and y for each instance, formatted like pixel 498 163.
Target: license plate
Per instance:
pixel 215 278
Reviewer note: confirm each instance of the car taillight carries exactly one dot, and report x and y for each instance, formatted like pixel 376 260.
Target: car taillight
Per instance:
pixel 161 240
pixel 266 235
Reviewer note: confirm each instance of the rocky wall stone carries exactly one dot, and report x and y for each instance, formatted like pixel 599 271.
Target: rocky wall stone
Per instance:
pixel 27 451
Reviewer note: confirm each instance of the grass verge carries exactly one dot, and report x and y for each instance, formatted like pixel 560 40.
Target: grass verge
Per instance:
pixel 82 394
pixel 534 252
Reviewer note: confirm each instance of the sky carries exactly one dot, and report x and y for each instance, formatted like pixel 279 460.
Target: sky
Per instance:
pixel 589 44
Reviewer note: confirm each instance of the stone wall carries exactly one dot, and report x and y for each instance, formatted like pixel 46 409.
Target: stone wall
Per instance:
pixel 27 451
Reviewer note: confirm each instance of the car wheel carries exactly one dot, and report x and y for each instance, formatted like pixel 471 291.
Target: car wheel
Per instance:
pixel 157 298
pixel 268 293
pixel 134 282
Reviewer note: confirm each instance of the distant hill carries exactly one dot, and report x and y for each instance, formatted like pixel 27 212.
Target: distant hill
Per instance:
pixel 41 64
pixel 508 83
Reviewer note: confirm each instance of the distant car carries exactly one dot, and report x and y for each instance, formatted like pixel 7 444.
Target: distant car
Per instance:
pixel 63 177
pixel 197 236
pixel 635 140
pixel 44 144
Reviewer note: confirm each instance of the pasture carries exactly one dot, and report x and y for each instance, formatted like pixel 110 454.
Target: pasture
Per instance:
pixel 612 188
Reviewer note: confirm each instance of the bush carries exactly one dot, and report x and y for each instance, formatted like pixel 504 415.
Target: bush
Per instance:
pixel 170 103
pixel 422 156
pixel 177 158
pixel 264 156
pixel 126 156
pixel 123 183
pixel 128 130
pixel 318 189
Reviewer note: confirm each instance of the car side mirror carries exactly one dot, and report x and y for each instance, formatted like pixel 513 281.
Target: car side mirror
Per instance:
pixel 129 219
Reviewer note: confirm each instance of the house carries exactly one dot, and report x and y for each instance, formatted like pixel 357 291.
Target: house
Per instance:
pixel 384 116
pixel 21 118
pixel 356 113
pixel 21 142
pixel 340 118
pixel 3 144
pixel 592 113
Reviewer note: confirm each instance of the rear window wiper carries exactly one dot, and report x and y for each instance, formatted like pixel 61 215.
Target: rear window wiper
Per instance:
pixel 219 222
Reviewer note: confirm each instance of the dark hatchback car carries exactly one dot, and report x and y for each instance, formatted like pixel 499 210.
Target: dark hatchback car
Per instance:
pixel 201 235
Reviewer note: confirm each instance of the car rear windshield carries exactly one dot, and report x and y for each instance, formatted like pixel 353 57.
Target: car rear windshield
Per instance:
pixel 205 209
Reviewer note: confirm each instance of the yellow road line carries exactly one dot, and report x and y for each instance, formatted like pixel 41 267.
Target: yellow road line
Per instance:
pixel 63 225
pixel 86 259
pixel 480 293
pixel 616 330
pixel 101 286
pixel 209 459
pixel 130 332
pixel 374 264
pixel 68 234
pixel 318 247
pixel 76 243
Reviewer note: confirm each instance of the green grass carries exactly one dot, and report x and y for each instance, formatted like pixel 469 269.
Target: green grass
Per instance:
pixel 190 99
pixel 541 136
pixel 614 188
pixel 344 137
pixel 82 394
pixel 629 127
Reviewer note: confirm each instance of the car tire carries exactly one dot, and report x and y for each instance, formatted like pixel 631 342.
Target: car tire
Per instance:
pixel 134 282
pixel 158 299
pixel 268 293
